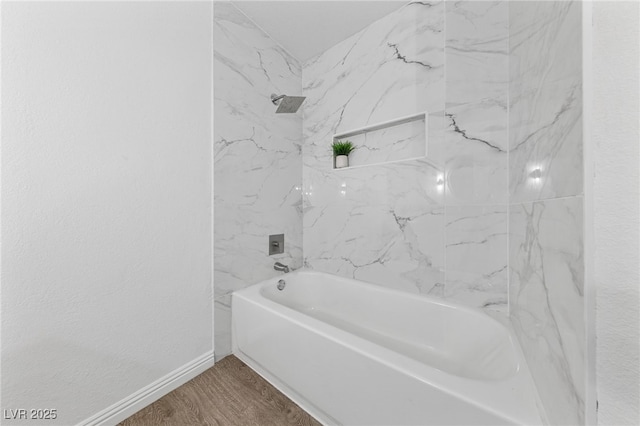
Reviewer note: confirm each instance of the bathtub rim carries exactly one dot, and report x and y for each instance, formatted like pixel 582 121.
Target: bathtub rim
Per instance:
pixel 497 332
pixel 363 284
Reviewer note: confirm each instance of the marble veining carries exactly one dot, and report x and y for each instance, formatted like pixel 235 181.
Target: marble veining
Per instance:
pixel 377 75
pixel 472 216
pixel 546 100
pixel 476 153
pixel 382 223
pixel 547 306
pixel 354 228
pixel 476 252
pixel 477 83
pixel 355 222
pixel 257 161
pixel 545 220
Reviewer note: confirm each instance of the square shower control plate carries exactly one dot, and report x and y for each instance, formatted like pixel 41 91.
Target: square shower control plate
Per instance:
pixel 276 244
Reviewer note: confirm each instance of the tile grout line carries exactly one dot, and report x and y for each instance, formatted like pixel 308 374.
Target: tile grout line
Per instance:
pixel 212 189
pixel 443 151
pixel 508 161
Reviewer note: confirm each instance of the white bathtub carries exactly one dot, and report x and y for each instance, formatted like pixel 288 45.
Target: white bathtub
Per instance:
pixel 354 353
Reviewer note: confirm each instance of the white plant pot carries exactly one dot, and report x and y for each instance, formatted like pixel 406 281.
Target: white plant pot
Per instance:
pixel 342 161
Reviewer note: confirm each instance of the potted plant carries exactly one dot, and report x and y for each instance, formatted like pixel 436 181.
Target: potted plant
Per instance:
pixel 341 151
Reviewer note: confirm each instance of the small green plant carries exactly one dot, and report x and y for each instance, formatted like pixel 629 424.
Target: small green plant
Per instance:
pixel 342 148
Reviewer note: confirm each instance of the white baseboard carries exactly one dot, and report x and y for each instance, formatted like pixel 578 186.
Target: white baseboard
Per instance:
pixel 150 393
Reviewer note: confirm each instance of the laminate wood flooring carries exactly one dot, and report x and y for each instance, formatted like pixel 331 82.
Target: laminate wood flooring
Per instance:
pixel 228 394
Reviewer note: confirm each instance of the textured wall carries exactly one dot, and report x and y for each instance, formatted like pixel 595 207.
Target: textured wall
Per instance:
pixel 546 206
pixel 617 209
pixel 258 165
pixel 106 200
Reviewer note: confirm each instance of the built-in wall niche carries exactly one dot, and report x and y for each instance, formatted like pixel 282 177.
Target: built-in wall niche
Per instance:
pixel 400 139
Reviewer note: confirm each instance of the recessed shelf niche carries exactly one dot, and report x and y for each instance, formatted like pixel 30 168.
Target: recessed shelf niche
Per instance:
pixel 403 138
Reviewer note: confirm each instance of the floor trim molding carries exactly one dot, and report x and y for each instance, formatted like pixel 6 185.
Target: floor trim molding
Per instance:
pixel 150 393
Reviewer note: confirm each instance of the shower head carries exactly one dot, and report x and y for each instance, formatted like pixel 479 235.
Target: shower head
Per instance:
pixel 287 104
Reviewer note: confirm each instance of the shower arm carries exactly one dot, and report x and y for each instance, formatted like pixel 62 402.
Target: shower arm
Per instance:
pixel 275 99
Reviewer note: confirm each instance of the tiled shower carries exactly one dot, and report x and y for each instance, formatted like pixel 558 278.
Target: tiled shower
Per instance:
pixel 472 215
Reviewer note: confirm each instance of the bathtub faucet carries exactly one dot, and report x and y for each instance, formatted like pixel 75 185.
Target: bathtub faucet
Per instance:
pixel 280 267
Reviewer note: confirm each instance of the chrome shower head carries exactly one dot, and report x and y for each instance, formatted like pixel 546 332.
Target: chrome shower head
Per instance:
pixel 287 104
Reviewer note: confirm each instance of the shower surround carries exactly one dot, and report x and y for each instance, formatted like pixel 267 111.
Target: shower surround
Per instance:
pixel 546 249
pixel 382 223
pixel 257 161
pixel 394 224
pixel 489 216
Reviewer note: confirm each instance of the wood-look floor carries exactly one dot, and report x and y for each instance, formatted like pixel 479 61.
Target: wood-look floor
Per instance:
pixel 228 394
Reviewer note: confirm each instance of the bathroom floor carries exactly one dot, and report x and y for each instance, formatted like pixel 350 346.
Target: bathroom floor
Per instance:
pixel 229 393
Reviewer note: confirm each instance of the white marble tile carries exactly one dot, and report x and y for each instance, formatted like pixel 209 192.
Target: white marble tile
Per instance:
pixel 477 52
pixel 546 300
pixel 545 42
pixel 546 142
pixel 477 158
pixel 477 82
pixel 382 223
pixel 545 100
pixel 395 143
pixel 545 162
pixel 257 160
pixel 476 253
pixel 392 68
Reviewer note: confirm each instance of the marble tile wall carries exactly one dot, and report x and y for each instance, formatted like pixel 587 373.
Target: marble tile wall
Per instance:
pixel 257 161
pixel 490 217
pixel 545 117
pixel 546 284
pixel 395 143
pixel 546 205
pixel 395 224
pixel 476 153
pixel 382 223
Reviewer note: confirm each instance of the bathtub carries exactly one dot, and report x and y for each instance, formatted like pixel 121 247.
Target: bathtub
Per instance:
pixel 354 353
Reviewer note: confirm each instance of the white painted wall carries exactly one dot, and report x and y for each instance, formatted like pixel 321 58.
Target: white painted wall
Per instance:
pixel 106 200
pixel 617 209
